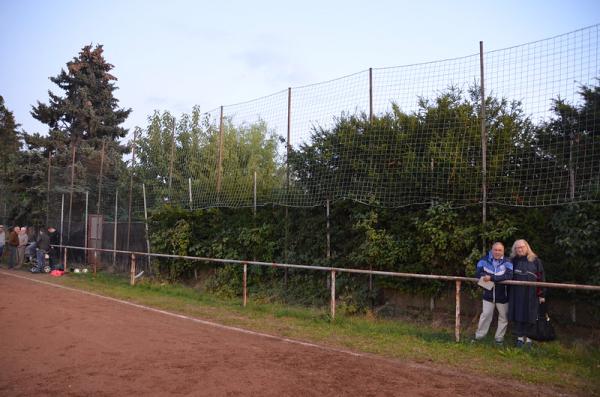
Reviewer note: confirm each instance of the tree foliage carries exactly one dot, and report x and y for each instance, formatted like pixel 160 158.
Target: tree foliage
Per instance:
pixel 82 120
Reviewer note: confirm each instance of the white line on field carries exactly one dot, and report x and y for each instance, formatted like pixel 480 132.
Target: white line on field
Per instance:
pixel 196 320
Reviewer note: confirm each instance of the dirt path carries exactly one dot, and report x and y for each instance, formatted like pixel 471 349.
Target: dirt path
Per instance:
pixel 59 342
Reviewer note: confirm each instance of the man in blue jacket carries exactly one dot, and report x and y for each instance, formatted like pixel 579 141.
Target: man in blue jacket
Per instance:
pixel 495 268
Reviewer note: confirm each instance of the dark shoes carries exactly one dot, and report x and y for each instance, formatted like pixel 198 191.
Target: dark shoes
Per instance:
pixel 524 344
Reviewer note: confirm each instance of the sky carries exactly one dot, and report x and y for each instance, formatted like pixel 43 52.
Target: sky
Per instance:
pixel 177 54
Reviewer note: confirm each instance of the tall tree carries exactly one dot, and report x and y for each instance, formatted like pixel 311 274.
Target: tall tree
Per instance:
pixel 9 150
pixel 79 121
pixel 89 110
pixel 8 136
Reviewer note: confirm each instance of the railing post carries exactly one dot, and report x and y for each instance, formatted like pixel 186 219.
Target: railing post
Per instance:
pixel 245 284
pixel 65 264
pixel 332 294
pixel 457 325
pixel 132 275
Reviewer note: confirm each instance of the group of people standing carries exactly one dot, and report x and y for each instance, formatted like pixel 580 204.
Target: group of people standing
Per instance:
pixel 516 303
pixel 19 240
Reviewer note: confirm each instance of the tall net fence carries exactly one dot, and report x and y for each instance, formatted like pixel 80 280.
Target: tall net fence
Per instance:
pixel 387 137
pixel 397 136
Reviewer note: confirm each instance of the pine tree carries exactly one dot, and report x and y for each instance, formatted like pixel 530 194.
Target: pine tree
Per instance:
pixel 82 119
pixel 9 155
pixel 89 110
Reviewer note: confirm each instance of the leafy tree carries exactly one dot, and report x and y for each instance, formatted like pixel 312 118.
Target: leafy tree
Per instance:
pixel 246 148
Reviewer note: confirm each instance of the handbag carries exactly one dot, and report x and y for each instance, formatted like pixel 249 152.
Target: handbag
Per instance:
pixel 542 329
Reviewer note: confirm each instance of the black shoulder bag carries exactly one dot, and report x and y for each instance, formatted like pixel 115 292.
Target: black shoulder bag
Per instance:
pixel 542 329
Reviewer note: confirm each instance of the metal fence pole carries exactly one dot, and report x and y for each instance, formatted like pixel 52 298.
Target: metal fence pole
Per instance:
pixel 220 153
pixel 85 225
pixel 115 229
pixel 132 270
pixel 131 189
pixel 65 268
pixel 245 284
pixel 146 224
pixel 190 191
pixel 287 181
pixel 457 314
pixel 172 158
pixel 62 217
pixel 370 95
pixel 48 192
pixel 332 294
pixel 100 178
pixel 483 149
pixel 71 193
pixel 328 253
pixel 254 193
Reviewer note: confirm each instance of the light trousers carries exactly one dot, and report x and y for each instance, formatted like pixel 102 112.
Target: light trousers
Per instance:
pixel 486 319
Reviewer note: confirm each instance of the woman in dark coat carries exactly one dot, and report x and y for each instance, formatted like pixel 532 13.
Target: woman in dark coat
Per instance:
pixel 524 300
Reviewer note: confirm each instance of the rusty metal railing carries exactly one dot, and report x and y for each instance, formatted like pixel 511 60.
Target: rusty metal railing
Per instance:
pixel 333 270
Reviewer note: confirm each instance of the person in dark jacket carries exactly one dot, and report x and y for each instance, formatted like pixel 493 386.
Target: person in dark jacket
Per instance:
pixel 43 246
pixel 525 300
pixel 13 244
pixel 494 267
pixel 54 251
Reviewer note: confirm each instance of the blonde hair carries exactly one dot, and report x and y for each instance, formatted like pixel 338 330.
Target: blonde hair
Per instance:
pixel 530 254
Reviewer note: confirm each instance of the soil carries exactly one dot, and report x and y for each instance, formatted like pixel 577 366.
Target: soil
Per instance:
pixel 56 341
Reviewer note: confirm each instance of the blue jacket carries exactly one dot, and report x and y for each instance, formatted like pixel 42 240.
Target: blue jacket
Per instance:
pixel 498 270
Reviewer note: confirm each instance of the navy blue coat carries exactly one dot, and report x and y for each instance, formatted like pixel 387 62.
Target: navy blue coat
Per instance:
pixel 498 270
pixel 524 299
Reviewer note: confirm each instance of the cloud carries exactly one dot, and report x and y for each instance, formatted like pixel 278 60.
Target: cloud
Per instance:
pixel 273 66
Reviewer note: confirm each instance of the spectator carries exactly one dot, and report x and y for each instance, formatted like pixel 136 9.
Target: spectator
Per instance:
pixel 494 267
pixel 43 246
pixel 525 299
pixel 2 241
pixel 13 244
pixel 54 251
pixel 22 235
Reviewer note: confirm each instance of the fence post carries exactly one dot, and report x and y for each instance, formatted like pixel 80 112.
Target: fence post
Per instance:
pixel 115 230
pixel 370 95
pixel 65 264
pixel 62 218
pixel 245 284
pixel 131 171
pixel 48 192
pixel 457 324
pixel 146 224
pixel 190 191
pixel 100 178
pixel 85 242
pixel 332 294
pixel 172 158
pixel 132 275
pixel 288 149
pixel 220 153
pixel 483 149
pixel 71 191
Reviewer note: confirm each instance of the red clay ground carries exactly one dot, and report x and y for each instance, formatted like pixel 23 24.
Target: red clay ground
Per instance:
pixel 60 342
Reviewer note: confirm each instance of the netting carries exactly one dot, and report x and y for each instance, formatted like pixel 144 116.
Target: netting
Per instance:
pixel 396 136
pixel 387 137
